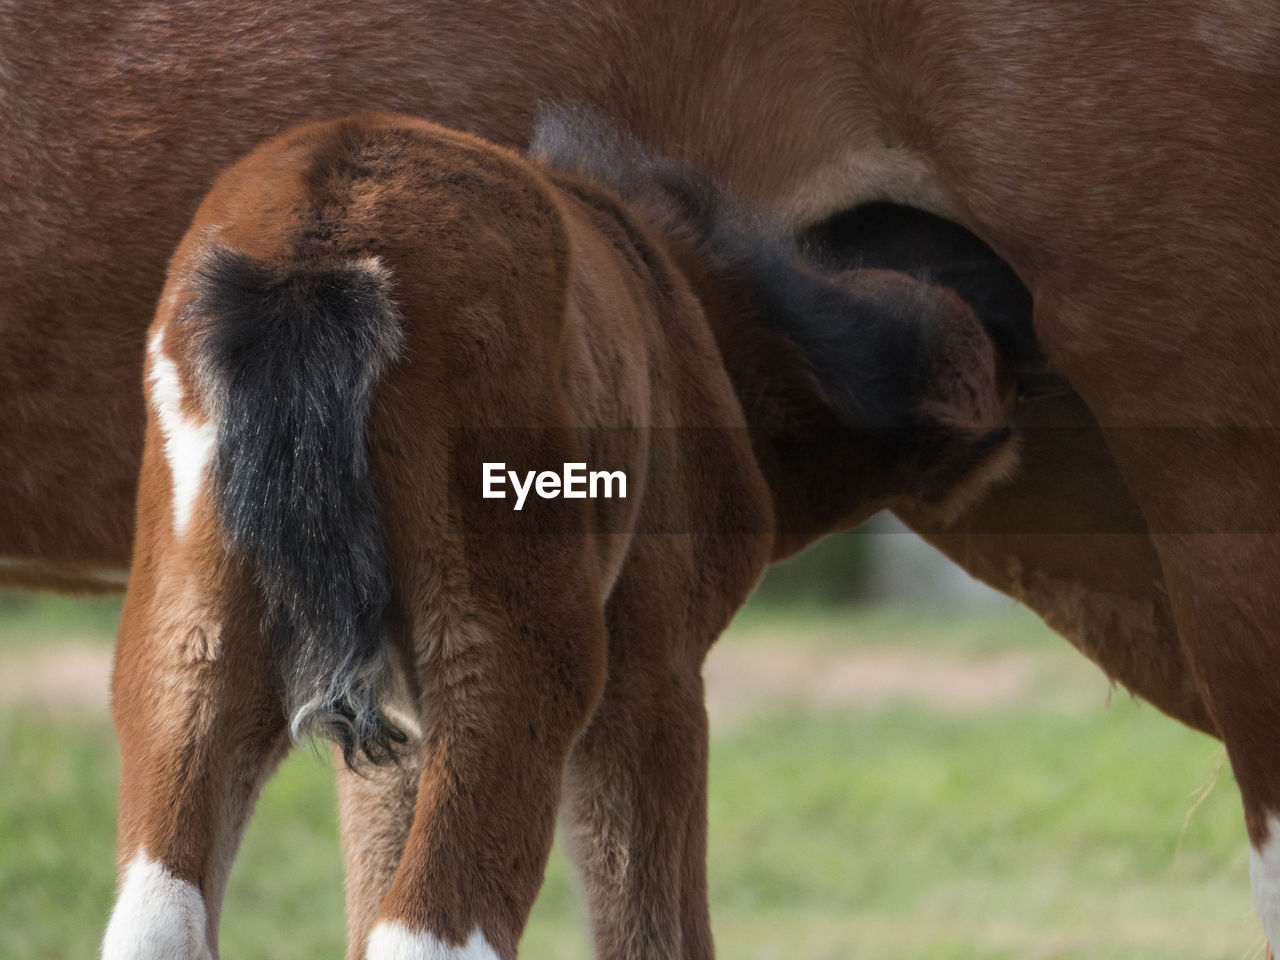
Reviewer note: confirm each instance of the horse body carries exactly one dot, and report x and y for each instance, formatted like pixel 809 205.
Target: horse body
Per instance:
pixel 1119 160
pixel 101 125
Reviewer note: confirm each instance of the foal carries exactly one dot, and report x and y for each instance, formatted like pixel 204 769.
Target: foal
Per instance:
pixel 363 315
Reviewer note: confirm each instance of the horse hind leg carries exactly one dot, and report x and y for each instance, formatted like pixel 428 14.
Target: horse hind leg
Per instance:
pixel 503 695
pixel 259 589
pixel 201 726
pixel 375 812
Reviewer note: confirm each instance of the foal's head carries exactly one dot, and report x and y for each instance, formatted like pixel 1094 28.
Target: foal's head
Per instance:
pixel 863 389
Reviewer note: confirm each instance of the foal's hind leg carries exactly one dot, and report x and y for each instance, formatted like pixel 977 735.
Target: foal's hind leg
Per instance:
pixel 200 726
pixel 375 809
pixel 508 677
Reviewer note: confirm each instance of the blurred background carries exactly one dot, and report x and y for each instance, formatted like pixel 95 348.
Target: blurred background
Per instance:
pixel 904 765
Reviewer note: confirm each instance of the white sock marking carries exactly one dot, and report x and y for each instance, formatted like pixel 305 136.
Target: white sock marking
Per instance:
pixel 1264 873
pixel 156 917
pixel 395 941
pixel 188 443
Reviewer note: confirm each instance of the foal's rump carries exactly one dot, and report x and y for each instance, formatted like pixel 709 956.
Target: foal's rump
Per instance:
pixel 305 543
pixel 362 314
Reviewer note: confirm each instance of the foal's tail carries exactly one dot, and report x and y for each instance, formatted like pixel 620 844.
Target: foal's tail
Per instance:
pixel 288 359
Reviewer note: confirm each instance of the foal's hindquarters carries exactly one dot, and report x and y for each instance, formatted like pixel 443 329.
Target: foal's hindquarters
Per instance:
pixel 362 315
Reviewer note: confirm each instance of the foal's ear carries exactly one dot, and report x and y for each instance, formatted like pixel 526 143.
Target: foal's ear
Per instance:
pixel 914 367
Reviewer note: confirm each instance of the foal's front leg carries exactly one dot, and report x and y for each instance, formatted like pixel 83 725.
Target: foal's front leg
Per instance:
pixel 637 803
pixel 636 785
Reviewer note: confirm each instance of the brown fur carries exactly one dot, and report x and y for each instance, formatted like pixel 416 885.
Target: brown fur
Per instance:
pixel 544 322
pixel 1119 157
pixel 867 91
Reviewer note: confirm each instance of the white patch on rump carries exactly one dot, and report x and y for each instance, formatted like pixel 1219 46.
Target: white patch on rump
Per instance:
pixel 395 941
pixel 1264 874
pixel 156 917
pixel 188 443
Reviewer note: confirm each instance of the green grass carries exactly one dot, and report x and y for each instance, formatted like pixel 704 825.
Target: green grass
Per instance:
pixel 902 834
pixel 28 619
pixel 984 630
pixel 891 834
pixel 1023 831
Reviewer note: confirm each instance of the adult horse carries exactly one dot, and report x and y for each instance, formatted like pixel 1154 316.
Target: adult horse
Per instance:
pixel 1118 159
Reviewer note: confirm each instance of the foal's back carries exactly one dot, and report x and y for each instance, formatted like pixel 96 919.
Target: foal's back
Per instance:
pixel 530 298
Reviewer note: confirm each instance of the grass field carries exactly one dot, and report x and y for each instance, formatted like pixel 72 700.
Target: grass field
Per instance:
pixel 884 784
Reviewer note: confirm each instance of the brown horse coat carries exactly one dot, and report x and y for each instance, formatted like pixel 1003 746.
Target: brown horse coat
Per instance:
pixel 362 316
pixel 1120 158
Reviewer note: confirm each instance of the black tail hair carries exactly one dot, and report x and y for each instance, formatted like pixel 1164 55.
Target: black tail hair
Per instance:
pixel 288 359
